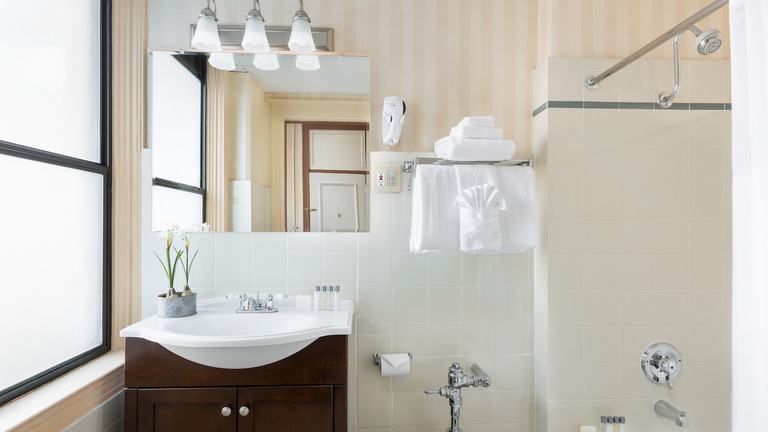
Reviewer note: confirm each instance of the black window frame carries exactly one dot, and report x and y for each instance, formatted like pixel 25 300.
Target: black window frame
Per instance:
pixel 102 168
pixel 196 64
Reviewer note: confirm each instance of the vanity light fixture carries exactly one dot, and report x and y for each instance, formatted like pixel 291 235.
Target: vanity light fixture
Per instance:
pixel 255 36
pixel 223 61
pixel 301 33
pixel 307 62
pixel 206 36
pixel 266 61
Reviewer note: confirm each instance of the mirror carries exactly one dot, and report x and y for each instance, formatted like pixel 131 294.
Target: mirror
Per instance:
pixel 286 149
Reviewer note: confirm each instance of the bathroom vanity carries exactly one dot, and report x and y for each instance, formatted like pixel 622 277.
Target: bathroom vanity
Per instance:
pixel 304 392
pixel 225 369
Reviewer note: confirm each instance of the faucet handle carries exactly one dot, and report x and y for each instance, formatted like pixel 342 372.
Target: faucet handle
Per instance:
pixel 442 391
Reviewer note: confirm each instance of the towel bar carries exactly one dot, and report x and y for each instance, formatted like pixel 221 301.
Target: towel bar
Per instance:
pixel 410 166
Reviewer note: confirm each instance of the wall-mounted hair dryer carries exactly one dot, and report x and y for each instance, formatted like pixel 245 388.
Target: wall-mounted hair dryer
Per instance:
pixel 392 119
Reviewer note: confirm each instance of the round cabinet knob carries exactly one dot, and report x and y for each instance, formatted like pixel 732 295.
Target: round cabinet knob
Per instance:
pixel 244 411
pixel 226 411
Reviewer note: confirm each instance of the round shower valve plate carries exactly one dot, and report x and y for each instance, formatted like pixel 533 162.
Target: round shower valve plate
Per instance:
pixel 661 363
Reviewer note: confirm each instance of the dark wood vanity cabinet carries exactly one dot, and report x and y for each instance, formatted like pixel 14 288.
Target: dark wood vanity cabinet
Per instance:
pixel 305 392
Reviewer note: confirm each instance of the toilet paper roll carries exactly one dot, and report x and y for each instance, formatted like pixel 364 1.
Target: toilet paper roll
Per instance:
pixel 395 364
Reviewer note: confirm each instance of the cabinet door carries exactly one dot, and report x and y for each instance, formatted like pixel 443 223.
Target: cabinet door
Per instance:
pixel 187 409
pixel 286 409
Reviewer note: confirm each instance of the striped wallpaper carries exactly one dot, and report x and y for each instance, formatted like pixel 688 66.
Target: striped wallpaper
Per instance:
pixel 452 58
pixel 616 28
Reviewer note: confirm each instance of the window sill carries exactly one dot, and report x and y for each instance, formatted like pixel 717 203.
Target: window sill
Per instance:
pixel 64 400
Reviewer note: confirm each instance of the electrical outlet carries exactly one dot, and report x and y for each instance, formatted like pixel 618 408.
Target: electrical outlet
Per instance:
pixel 380 177
pixel 387 177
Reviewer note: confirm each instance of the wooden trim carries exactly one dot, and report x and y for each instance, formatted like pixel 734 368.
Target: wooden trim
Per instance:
pixel 131 410
pixel 68 411
pixel 305 176
pixel 340 408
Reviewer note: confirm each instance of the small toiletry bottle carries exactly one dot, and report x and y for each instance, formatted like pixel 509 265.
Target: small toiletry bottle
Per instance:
pixel 623 424
pixel 324 304
pixel 333 298
pixel 317 300
pixel 603 424
pixel 609 428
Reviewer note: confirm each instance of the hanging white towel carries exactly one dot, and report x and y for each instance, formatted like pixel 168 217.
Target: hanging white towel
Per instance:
pixel 435 219
pixel 464 149
pixel 479 208
pixel 476 132
pixel 484 121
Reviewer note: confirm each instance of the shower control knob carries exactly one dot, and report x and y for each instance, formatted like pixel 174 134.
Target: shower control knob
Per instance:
pixel 661 363
pixel 244 411
pixel 226 411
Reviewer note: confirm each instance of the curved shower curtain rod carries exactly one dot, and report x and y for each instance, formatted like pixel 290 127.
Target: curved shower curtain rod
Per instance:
pixel 592 82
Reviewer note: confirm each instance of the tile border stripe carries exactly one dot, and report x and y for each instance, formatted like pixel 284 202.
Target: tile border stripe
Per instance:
pixel 679 106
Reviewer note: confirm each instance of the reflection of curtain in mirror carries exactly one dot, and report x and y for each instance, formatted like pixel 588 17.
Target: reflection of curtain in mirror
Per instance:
pixel 236 152
pixel 217 134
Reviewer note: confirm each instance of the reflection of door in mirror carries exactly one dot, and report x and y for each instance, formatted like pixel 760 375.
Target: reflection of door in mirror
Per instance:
pixel 326 177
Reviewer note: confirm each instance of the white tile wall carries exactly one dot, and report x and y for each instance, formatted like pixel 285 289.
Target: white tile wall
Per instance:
pixel 636 222
pixel 443 308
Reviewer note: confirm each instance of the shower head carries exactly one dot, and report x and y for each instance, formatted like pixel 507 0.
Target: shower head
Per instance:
pixel 707 41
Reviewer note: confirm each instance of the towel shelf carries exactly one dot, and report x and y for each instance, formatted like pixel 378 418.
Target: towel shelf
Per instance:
pixel 525 159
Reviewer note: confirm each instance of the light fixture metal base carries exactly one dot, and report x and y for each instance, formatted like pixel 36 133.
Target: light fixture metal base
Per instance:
pixel 231 37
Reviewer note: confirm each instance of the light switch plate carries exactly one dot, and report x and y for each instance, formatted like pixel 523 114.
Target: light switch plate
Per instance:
pixel 386 177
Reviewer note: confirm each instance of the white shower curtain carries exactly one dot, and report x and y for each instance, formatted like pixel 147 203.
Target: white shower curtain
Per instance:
pixel 749 66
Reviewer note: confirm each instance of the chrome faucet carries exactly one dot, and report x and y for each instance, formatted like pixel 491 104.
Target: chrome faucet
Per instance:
pixel 452 391
pixel 666 410
pixel 255 305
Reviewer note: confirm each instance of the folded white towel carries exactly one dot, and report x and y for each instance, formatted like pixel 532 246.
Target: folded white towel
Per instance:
pixel 464 149
pixel 484 121
pixel 479 218
pixel 476 132
pixel 435 219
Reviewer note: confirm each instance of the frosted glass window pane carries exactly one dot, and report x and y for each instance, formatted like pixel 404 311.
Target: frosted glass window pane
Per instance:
pixel 175 206
pixel 51 226
pixel 50 76
pixel 175 121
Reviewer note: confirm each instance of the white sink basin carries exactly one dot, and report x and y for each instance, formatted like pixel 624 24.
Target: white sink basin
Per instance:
pixel 217 336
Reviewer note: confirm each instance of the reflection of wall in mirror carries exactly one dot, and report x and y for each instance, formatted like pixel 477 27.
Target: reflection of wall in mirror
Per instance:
pixel 245 147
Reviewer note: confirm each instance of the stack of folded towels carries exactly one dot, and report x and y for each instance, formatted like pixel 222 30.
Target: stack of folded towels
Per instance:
pixel 476 208
pixel 475 139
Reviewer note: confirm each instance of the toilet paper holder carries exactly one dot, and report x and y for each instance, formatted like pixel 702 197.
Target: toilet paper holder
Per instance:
pixel 377 358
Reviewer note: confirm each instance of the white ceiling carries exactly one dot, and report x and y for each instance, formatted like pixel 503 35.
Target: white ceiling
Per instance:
pixel 337 75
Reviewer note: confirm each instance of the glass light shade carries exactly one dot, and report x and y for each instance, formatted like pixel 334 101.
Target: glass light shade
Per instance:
pixel 223 61
pixel 206 36
pixel 266 61
pixel 301 37
pixel 255 37
pixel 307 62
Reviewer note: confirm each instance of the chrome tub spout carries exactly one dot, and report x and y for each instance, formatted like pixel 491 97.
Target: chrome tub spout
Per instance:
pixel 666 410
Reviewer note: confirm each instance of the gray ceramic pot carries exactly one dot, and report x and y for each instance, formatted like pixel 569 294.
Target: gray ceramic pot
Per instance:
pixel 176 307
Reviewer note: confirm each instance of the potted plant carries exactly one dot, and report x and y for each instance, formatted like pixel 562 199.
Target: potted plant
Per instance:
pixel 173 304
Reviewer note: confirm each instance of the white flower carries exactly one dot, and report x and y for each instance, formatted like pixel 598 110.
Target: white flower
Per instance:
pixel 171 233
pixel 203 227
